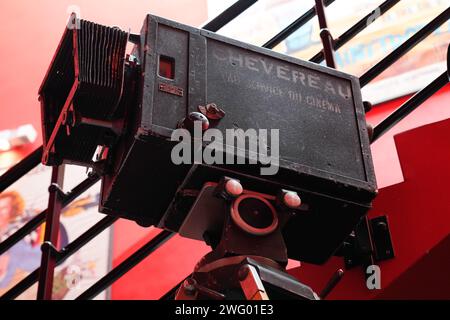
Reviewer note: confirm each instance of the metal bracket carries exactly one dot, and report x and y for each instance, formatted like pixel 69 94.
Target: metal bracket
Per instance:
pixel 47 246
pixel 55 188
pixel 371 242
pixel 190 289
pixel 255 277
pixel 381 238
pixel 251 283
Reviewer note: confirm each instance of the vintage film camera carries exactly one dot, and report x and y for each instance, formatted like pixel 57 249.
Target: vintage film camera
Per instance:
pixel 114 112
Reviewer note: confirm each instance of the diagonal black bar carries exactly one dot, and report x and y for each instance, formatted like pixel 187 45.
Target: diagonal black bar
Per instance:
pixel 22 232
pixel 40 218
pixel 21 287
pixel 69 250
pixel 357 28
pixel 20 169
pixel 294 26
pixel 126 265
pixel 376 70
pixel 409 106
pixel 228 15
pixel 90 234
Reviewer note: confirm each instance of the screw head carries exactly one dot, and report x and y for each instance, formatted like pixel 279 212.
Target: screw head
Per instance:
pixel 189 287
pixel 382 225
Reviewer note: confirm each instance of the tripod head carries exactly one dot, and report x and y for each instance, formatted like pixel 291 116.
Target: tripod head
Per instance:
pixel 243 228
pixel 236 221
pixel 249 256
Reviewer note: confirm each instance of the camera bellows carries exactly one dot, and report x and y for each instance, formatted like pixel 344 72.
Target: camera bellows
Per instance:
pixel 84 81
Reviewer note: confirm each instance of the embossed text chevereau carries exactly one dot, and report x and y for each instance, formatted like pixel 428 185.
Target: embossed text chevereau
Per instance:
pixel 284 72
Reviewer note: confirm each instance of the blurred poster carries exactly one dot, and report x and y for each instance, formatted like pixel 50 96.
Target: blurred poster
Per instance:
pixel 411 73
pixel 24 200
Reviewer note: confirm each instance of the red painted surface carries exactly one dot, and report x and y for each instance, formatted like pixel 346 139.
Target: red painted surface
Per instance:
pixel 386 160
pixel 161 271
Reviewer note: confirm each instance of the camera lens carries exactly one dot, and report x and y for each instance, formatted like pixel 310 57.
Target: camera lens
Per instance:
pixel 254 214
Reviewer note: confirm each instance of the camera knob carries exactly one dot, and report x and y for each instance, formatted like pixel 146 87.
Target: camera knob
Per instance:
pixel 188 123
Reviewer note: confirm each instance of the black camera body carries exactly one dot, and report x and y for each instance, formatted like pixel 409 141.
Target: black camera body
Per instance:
pixel 176 71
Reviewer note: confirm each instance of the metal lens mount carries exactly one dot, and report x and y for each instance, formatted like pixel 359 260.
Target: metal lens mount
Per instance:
pixel 254 214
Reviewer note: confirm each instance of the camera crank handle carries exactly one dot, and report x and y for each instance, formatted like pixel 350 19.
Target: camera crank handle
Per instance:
pixel 337 276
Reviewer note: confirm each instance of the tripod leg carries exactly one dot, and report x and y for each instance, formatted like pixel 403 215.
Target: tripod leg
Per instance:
pixel 251 283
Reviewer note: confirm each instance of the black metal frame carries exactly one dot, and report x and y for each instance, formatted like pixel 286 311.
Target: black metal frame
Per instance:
pixel 52 257
pixel 229 15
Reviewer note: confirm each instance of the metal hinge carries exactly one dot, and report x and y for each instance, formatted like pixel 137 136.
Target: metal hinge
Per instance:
pixel 370 243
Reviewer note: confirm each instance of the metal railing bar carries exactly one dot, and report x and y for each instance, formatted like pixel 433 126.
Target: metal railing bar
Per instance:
pixel 357 28
pixel 404 48
pixel 228 15
pixel 409 106
pixel 126 265
pixel 325 35
pixel 20 169
pixel 26 229
pixel 294 26
pixel 40 218
pixel 68 251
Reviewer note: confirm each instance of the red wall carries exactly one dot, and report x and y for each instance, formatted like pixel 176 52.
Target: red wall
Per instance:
pixel 387 165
